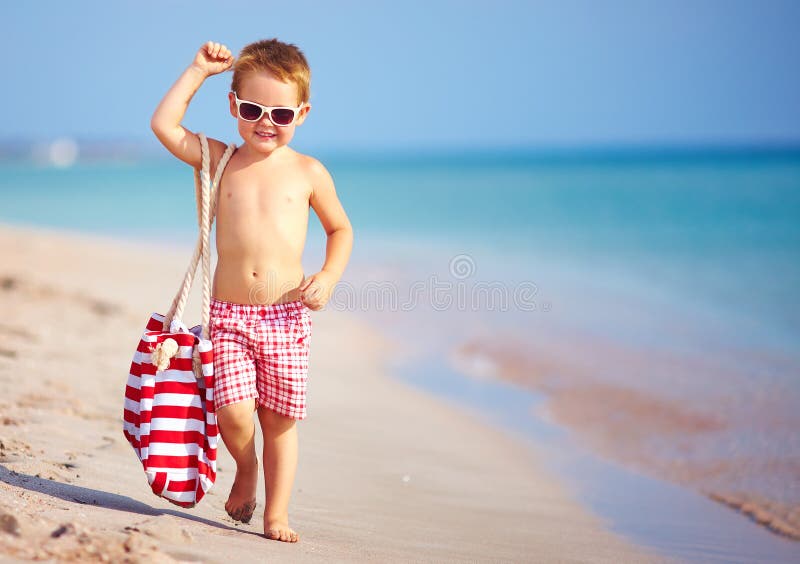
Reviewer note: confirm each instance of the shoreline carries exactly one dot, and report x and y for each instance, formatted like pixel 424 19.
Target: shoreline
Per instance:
pixel 393 479
pixel 670 433
pixel 670 518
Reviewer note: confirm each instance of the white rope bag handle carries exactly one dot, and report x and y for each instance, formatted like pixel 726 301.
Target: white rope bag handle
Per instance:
pixel 208 207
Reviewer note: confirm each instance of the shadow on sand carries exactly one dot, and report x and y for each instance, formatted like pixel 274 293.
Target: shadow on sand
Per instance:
pixel 107 500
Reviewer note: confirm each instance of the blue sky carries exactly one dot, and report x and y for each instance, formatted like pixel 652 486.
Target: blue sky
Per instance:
pixel 417 75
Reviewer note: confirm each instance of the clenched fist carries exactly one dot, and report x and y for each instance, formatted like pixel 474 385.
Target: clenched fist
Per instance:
pixel 213 58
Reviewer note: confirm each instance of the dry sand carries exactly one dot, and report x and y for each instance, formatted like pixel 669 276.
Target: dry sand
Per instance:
pixel 386 472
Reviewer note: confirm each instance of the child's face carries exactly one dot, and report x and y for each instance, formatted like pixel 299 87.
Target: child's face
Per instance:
pixel 263 88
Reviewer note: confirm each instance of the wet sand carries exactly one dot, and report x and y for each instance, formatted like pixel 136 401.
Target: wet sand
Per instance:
pixel 386 472
pixel 718 427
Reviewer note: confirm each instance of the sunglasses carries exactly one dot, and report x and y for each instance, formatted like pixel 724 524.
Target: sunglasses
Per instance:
pixel 278 115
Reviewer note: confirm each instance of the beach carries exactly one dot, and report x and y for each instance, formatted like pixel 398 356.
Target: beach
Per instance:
pixel 386 472
pixel 607 315
pixel 570 335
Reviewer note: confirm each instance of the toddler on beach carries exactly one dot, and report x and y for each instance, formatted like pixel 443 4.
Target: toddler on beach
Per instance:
pixel 260 320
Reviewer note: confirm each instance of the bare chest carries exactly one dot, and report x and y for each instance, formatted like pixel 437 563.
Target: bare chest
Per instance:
pixel 267 195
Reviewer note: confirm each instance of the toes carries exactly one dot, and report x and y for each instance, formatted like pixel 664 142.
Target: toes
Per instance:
pixel 242 513
pixel 236 514
pixel 285 535
pixel 247 512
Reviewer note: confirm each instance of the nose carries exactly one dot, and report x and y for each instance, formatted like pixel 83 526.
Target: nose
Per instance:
pixel 265 120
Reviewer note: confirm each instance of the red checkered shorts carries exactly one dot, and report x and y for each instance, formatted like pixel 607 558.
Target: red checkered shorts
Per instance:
pixel 261 352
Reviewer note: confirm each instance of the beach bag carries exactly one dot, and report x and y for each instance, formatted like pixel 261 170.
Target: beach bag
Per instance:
pixel 169 417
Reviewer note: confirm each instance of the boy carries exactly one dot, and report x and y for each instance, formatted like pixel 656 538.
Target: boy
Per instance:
pixel 260 321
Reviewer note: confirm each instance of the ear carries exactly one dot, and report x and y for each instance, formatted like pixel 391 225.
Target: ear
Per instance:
pixel 232 101
pixel 303 113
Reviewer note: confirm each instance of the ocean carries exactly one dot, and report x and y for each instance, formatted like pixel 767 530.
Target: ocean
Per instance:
pixel 641 300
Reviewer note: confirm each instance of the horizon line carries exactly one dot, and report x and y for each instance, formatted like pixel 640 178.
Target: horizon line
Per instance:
pixel 118 148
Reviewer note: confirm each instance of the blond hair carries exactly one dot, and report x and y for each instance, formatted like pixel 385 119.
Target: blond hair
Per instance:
pixel 283 60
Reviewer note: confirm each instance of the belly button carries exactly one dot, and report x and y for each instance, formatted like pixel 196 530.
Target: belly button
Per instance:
pixel 255 274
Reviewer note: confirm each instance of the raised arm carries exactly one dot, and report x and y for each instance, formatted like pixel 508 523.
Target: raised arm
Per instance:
pixel 212 58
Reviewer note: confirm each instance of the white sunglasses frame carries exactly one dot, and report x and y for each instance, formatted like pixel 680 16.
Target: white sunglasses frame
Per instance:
pixel 267 110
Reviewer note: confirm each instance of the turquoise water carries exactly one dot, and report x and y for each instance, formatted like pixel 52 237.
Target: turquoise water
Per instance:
pixel 724 228
pixel 682 207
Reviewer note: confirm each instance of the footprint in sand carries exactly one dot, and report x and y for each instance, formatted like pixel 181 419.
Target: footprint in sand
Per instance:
pixel 35 400
pixel 74 542
pixel 109 442
pixel 163 527
pixel 8 353
pixel 8 523
pixel 9 283
pixel 103 309
pixel 12 331
pixel 4 453
pixel 12 450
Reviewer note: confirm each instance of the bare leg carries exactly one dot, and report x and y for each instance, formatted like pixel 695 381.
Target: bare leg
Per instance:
pixel 280 464
pixel 238 431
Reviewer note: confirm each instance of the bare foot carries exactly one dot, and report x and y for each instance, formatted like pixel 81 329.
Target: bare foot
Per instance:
pixel 278 529
pixel 241 502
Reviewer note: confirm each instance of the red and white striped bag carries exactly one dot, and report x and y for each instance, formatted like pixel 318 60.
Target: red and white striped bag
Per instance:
pixel 169 417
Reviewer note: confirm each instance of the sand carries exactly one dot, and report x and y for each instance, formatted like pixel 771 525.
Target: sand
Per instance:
pixel 386 472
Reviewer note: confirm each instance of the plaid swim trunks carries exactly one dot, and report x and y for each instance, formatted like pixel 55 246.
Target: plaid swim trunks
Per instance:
pixel 261 352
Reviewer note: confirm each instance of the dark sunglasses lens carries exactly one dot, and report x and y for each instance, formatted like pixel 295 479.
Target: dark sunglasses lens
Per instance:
pixel 249 112
pixel 282 116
